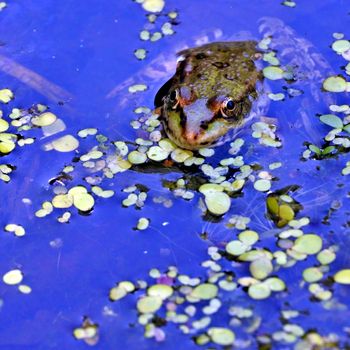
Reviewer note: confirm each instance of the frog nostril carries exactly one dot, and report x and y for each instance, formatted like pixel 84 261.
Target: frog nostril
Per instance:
pixel 191 136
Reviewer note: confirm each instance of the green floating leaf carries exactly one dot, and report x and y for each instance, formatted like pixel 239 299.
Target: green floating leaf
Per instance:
pixel 342 276
pixel 332 120
pixel 259 291
pixel 262 185
pixel 312 274
pixel 205 291
pixel 335 84
pixel 218 203
pixel 308 244
pixel 6 95
pixel 149 304
pixel 273 73
pixel 261 268
pixel 341 46
pixel 221 336
pixel 236 248
pixel 161 291
pixel 248 237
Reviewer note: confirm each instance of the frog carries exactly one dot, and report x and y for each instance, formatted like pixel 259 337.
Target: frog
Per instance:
pixel 211 93
pixel 294 50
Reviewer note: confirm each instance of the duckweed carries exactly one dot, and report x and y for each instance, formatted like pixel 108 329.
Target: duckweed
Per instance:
pixel 289 3
pixel 137 88
pixel 13 277
pixel 4 125
pixel 24 289
pixel 136 157
pixel 261 268
pixel 83 201
pixel 161 291
pixel 341 46
pixel 326 256
pixel 67 143
pixel 44 119
pixel 142 224
pixel 262 185
pixel 218 203
pixel 88 332
pixel 312 274
pixel 6 95
pixel 221 336
pixel 273 73
pixel 332 120
pixel 153 5
pixel 62 201
pixel 308 244
pixel 149 304
pixel 236 248
pixel 248 237
pixel 335 84
pixel 205 291
pixel 157 153
pixel 140 54
pixel 342 276
pixel 259 291
pixel 17 230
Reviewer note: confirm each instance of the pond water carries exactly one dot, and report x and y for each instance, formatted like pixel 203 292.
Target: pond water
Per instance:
pixel 70 66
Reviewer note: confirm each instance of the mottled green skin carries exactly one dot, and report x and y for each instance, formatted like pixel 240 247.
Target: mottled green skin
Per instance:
pixel 206 78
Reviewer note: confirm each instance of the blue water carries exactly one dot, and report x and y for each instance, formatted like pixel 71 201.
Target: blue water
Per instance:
pixel 86 49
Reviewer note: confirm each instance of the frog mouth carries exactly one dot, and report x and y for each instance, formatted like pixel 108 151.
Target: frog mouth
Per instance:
pixel 196 136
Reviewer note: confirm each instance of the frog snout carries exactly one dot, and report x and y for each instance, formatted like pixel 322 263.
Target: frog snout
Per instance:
pixel 196 114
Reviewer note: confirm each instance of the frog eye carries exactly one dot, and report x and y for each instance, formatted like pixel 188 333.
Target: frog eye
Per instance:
pixel 228 108
pixel 230 105
pixel 174 97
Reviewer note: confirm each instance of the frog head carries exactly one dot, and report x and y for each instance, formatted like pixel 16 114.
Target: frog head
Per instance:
pixel 211 93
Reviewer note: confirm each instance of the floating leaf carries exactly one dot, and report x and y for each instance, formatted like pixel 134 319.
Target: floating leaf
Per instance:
pixel 6 95
pixel 248 237
pixel 261 268
pixel 236 248
pixel 332 120
pixel 149 304
pixel 136 157
pixel 341 46
pixel 205 291
pixel 67 143
pixel 262 185
pixel 218 203
pixel 312 274
pixel 342 276
pixel 83 201
pixel 162 291
pixel 259 291
pixel 221 336
pixel 157 153
pixel 326 256
pixel 335 84
pixel 142 224
pixel 308 244
pixel 273 73
pixel 137 88
pixel 153 5
pixel 4 125
pixel 44 119
pixel 13 277
pixel 62 201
